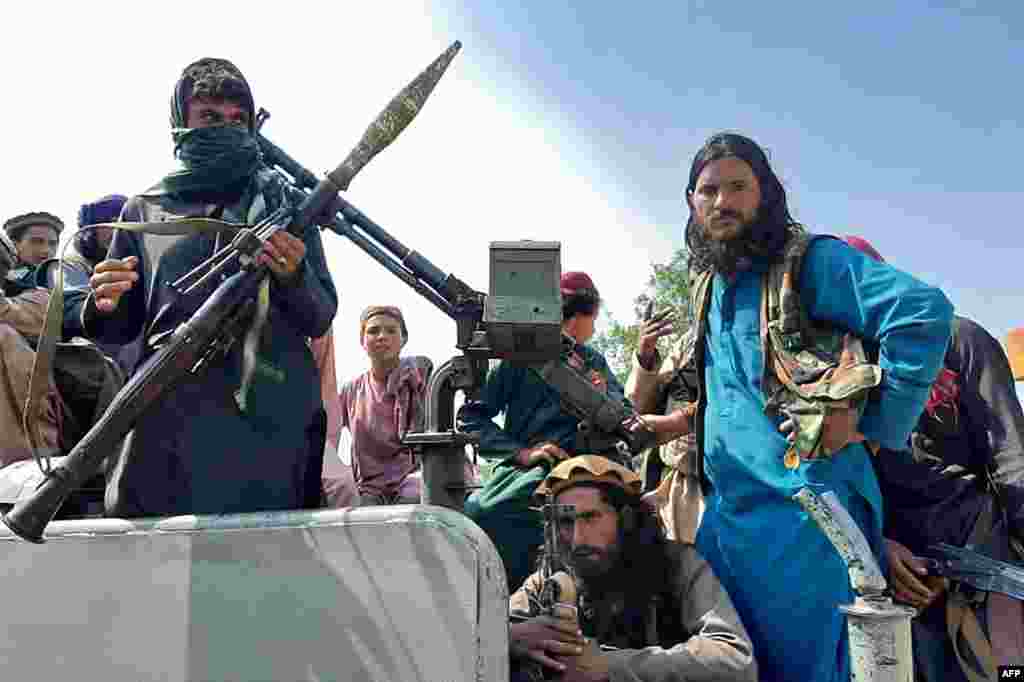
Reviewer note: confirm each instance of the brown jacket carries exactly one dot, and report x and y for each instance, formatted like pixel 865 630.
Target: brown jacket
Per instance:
pixel 21 319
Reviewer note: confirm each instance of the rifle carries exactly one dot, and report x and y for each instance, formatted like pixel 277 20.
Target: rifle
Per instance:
pixel 976 570
pixel 220 321
pixel 556 587
pixel 481 334
pixel 604 423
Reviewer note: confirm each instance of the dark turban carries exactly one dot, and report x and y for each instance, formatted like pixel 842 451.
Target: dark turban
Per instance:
pixel 16 226
pixel 214 78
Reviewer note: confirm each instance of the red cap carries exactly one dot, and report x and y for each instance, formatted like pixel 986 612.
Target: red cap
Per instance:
pixel 864 246
pixel 577 283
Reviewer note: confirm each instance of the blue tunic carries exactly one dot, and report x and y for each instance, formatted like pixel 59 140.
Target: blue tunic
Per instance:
pixel 784 576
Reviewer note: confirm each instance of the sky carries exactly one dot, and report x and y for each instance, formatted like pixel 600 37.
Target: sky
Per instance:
pixel 900 122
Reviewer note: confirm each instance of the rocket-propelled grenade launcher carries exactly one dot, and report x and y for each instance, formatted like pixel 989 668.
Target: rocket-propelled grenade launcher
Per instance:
pixel 520 321
pixel 220 321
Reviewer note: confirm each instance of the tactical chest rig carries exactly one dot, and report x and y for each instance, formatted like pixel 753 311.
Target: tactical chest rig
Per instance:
pixel 810 367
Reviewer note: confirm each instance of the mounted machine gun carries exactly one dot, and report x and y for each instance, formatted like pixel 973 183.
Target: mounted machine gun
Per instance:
pixel 519 321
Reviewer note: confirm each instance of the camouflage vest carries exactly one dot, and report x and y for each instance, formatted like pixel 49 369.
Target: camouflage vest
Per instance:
pixel 810 367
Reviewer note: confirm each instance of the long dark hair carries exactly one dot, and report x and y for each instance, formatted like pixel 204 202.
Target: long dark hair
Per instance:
pixel 644 570
pixel 773 224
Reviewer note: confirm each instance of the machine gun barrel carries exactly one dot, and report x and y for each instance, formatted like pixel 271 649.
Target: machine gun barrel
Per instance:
pixel 350 222
pixel 215 325
pixel 343 227
pixel 395 117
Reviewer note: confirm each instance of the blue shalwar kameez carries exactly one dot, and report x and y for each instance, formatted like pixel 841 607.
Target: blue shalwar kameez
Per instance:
pixel 784 576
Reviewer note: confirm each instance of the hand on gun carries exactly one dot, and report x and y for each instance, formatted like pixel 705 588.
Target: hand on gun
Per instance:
pixel 542 638
pixel 591 665
pixel 283 254
pixel 910 580
pixel 544 452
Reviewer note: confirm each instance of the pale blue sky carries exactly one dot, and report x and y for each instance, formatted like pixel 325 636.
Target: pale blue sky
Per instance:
pixel 900 122
pixel 897 121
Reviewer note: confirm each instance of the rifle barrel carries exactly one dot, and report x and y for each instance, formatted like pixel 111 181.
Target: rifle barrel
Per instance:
pixel 414 262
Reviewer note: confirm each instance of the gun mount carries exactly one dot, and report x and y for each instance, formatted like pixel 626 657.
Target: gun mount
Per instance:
pixel 518 320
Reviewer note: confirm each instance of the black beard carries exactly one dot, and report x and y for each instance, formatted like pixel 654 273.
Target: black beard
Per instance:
pixel 728 257
pixel 600 573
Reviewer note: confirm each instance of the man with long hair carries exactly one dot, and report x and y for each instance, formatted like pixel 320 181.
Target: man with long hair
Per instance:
pixel 653 603
pixel 787 399
pixel 248 433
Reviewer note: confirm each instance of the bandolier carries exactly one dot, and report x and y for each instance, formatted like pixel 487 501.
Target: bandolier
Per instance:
pixel 810 368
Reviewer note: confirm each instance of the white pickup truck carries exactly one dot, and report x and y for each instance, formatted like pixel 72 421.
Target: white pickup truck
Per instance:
pixel 378 594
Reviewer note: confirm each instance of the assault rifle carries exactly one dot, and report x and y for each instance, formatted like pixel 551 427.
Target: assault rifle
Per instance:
pixel 222 319
pixel 604 423
pixel 554 586
pixel 506 324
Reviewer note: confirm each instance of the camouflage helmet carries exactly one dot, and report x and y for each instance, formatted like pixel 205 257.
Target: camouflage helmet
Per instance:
pixel 589 469
pixel 8 252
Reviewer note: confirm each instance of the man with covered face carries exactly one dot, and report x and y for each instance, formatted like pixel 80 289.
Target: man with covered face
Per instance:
pixel 247 434
pixel 654 604
pixel 787 399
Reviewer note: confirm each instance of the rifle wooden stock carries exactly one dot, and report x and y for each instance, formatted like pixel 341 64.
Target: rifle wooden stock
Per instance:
pixel 215 320
pixel 187 346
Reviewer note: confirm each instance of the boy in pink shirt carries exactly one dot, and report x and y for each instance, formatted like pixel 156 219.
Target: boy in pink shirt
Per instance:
pixel 380 406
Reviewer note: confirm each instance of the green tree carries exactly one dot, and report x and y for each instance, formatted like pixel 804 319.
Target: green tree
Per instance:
pixel 668 287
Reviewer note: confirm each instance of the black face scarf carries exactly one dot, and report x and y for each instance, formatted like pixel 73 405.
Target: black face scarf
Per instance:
pixel 216 160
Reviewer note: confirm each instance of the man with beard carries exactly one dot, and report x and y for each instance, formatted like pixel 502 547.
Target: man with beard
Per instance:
pixel 654 604
pixel 782 381
pixel 247 434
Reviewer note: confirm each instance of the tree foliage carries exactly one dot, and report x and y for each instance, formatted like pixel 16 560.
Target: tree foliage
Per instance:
pixel 668 287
